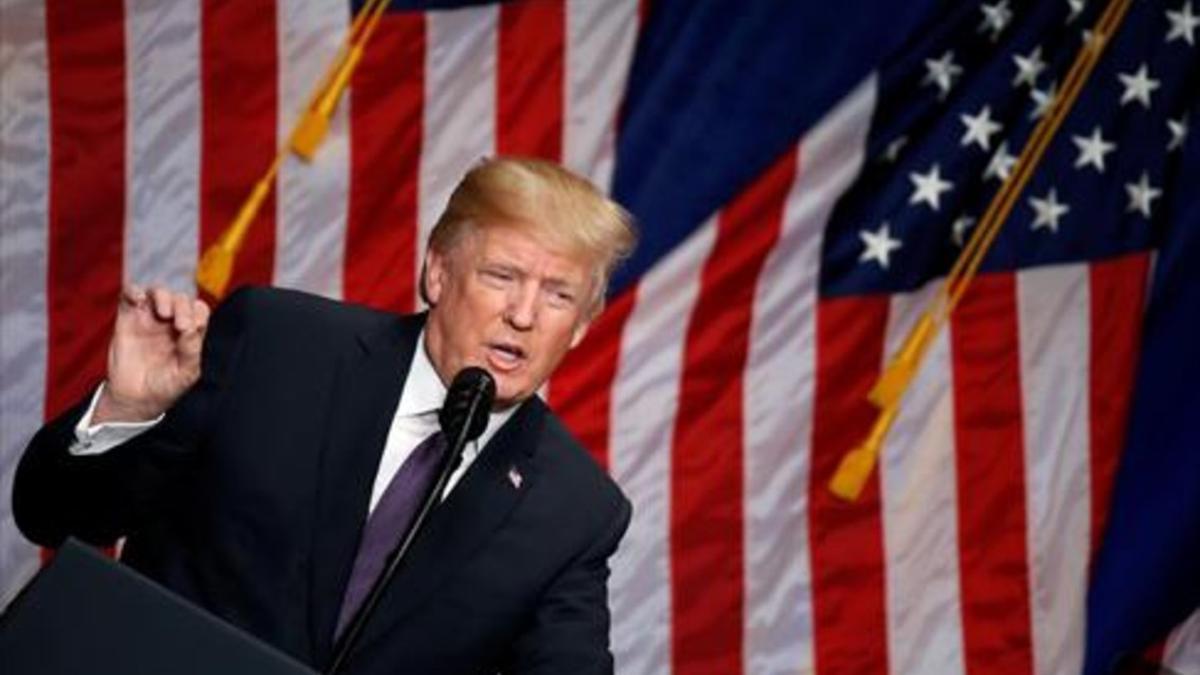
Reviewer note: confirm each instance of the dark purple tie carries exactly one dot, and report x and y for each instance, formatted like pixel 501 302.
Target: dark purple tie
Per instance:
pixel 389 521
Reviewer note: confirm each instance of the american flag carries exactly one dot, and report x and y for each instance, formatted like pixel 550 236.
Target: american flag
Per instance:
pixel 796 218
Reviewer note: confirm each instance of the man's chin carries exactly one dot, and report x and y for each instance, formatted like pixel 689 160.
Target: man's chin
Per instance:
pixel 508 396
pixel 502 403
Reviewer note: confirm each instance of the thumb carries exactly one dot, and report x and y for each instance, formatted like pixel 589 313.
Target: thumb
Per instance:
pixel 132 294
pixel 132 297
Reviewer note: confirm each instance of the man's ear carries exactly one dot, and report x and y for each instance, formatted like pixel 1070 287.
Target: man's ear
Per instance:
pixel 580 332
pixel 582 329
pixel 434 278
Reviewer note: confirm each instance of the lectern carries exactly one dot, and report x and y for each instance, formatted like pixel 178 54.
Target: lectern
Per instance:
pixel 85 613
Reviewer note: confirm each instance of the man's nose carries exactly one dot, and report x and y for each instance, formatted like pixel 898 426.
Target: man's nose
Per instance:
pixel 522 307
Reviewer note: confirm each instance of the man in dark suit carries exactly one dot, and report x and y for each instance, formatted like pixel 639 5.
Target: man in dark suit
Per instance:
pixel 242 459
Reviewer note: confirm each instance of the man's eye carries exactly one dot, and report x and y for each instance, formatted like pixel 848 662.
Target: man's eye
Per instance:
pixel 562 298
pixel 498 275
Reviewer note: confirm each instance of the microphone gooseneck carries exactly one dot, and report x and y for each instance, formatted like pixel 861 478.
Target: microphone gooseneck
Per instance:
pixel 463 417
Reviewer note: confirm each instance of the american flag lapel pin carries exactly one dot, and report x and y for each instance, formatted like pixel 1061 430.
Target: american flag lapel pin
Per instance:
pixel 515 477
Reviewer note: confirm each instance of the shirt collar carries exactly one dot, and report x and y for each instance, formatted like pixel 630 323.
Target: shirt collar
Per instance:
pixel 423 389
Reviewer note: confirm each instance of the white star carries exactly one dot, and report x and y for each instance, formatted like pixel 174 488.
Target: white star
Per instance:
pixel 1028 68
pixel 1092 150
pixel 929 187
pixel 1141 194
pixel 979 128
pixel 995 18
pixel 878 246
pixel 960 227
pixel 1049 210
pixel 892 152
pixel 1001 164
pixel 1183 24
pixel 1042 100
pixel 941 72
pixel 1076 9
pixel 1179 132
pixel 1138 86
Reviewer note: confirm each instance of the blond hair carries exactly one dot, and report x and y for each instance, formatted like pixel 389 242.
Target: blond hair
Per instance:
pixel 542 198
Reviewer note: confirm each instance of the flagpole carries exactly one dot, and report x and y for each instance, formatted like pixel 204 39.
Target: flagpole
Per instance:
pixel 886 394
pixel 215 268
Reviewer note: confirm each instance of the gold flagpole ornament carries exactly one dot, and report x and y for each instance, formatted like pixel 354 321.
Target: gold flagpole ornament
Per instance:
pixel 216 265
pixel 313 126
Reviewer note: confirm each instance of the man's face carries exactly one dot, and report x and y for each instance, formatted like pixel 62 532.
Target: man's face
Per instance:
pixel 504 301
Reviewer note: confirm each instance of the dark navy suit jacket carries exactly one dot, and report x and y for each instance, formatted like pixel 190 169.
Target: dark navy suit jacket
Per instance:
pixel 249 499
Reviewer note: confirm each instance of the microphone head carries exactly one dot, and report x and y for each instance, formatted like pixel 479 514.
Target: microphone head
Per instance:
pixel 468 402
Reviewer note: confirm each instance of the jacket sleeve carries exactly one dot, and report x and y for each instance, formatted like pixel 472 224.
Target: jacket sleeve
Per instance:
pixel 569 632
pixel 100 498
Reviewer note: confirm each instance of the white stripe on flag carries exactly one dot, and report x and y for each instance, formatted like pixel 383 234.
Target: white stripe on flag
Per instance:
pixel 780 377
pixel 781 366
pixel 1054 322
pixel 600 39
pixel 460 106
pixel 162 137
pixel 311 199
pixel 919 496
pixel 24 207
pixel 645 399
pixel 1182 652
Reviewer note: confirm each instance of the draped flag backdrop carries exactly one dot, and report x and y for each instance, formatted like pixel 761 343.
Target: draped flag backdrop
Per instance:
pixel 803 173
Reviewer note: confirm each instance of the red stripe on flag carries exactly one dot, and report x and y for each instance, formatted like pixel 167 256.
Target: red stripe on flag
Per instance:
pixel 846 539
pixel 86 54
pixel 239 89
pixel 1118 292
pixel 529 87
pixel 644 7
pixel 387 107
pixel 706 449
pixel 581 389
pixel 1155 652
pixel 993 561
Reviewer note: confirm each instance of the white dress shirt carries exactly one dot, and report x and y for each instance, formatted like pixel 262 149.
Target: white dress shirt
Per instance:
pixel 415 419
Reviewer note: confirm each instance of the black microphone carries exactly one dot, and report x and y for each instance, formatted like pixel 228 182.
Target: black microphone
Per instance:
pixel 463 417
pixel 468 402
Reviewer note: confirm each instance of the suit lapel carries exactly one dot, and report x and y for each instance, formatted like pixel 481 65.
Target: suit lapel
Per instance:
pixel 481 502
pixel 368 388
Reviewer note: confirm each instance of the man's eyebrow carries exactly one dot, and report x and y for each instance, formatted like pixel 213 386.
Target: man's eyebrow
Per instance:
pixel 505 265
pixel 560 284
pixel 556 282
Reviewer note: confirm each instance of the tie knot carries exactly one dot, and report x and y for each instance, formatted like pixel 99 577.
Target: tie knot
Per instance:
pixel 432 447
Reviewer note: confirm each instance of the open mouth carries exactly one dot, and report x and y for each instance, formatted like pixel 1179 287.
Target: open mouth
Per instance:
pixel 505 356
